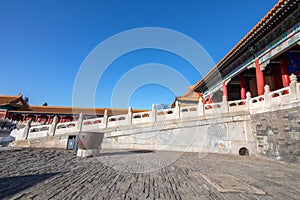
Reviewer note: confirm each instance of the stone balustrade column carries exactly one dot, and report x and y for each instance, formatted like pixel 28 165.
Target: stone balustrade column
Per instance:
pixel 200 107
pixel 105 119
pixel 79 122
pixel 26 129
pixel 53 126
pixel 248 100
pixel 267 96
pixel 224 105
pixel 153 113
pixel 177 110
pixel 130 116
pixel 293 87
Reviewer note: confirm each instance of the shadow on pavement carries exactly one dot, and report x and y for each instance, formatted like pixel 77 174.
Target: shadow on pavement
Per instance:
pixel 10 186
pixel 125 152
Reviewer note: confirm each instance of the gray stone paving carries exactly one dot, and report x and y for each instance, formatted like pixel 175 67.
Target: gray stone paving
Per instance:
pixel 58 174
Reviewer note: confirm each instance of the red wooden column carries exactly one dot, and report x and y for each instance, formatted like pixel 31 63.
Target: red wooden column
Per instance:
pixel 277 77
pixel 285 74
pixel 6 115
pixel 61 118
pixel 209 99
pixel 51 119
pixel 260 81
pixel 48 120
pixel 243 86
pixel 65 119
pixel 225 90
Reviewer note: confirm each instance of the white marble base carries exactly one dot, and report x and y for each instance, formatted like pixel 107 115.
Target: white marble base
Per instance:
pixel 88 152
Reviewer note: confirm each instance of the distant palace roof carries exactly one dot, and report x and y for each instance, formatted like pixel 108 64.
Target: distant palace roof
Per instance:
pixel 13 101
pixel 75 110
pixel 18 105
pixel 190 96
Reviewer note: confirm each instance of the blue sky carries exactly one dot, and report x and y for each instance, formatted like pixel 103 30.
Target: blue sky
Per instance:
pixel 44 43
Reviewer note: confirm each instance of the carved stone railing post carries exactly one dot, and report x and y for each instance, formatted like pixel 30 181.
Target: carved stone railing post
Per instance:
pixel 79 122
pixel 267 96
pixel 26 129
pixel 130 116
pixel 224 105
pixel 177 110
pixel 153 113
pixel 293 87
pixel 248 100
pixel 105 119
pixel 53 126
pixel 200 107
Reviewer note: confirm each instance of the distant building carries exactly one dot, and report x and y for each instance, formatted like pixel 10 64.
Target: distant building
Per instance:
pixel 15 108
pixel 189 98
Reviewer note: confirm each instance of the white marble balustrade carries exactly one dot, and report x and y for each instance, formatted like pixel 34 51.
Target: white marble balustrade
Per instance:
pixel 255 104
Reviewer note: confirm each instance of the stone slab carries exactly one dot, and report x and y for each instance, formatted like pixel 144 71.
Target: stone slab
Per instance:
pixel 229 183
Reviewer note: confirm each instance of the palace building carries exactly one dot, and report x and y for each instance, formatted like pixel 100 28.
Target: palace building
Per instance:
pixel 267 55
pixel 15 108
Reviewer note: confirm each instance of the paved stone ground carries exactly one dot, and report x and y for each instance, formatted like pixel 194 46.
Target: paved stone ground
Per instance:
pixel 58 174
pixel 3 133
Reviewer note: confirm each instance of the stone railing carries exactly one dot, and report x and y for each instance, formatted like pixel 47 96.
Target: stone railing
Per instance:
pixel 142 117
pixel 238 105
pixel 255 104
pixel 39 131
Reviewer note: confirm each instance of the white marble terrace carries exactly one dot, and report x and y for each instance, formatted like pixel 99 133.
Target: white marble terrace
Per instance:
pixel 269 100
